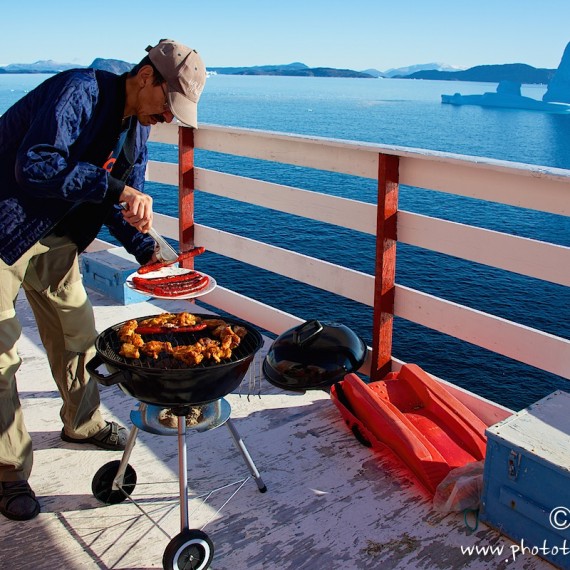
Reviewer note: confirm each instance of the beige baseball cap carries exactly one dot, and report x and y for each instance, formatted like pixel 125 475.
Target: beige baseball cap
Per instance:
pixel 185 75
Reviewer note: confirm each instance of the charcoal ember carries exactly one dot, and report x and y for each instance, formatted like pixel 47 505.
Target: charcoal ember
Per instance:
pixel 168 419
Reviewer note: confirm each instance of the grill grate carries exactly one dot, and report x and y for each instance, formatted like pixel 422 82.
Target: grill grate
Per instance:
pixel 108 345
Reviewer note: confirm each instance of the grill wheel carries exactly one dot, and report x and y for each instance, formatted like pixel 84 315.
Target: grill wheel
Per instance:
pixel 191 549
pixel 102 484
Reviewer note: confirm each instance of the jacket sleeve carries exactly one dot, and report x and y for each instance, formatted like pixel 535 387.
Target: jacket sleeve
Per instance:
pixel 45 166
pixel 136 243
pixel 137 176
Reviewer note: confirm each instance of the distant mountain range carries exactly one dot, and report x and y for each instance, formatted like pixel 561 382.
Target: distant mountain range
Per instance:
pixel 404 71
pixel 518 72
pixel 50 66
pixel 295 69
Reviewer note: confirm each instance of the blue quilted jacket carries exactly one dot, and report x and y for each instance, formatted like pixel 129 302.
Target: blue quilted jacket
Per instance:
pixel 53 145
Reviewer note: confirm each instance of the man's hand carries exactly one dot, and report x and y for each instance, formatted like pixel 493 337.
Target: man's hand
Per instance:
pixel 138 208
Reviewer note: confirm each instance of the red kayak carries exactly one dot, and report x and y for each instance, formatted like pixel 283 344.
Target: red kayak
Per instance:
pixel 415 416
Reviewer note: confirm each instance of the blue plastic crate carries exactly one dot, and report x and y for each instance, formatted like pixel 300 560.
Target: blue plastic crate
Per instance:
pixel 107 271
pixel 526 481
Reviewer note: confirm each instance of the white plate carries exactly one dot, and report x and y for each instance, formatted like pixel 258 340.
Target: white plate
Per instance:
pixel 165 272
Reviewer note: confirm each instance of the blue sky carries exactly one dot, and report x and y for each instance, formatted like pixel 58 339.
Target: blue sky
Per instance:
pixel 355 34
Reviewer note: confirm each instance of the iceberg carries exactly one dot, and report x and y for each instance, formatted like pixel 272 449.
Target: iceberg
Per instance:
pixel 508 95
pixel 559 86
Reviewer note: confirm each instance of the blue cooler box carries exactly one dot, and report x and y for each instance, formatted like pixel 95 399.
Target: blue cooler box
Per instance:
pixel 106 271
pixel 526 481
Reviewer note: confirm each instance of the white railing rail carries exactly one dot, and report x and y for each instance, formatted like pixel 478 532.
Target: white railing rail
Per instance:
pixel 538 188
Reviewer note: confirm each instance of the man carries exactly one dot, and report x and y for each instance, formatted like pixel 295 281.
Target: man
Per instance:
pixel 71 151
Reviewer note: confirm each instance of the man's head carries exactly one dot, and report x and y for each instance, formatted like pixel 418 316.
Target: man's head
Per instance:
pixel 167 83
pixel 185 75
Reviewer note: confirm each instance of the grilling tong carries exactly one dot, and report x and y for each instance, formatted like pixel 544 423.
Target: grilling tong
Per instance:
pixel 164 253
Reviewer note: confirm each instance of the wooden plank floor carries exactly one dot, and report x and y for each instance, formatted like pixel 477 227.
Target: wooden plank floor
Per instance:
pixel 331 503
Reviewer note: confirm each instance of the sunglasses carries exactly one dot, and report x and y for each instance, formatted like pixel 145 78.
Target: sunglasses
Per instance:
pixel 165 107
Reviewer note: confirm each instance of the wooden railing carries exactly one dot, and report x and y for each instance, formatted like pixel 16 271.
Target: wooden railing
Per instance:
pixel 542 189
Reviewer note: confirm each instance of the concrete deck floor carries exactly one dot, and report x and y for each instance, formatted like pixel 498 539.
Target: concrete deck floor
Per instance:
pixel 331 503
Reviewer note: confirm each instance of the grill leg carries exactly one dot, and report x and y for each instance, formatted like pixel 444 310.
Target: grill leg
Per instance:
pixel 246 456
pixel 120 478
pixel 183 472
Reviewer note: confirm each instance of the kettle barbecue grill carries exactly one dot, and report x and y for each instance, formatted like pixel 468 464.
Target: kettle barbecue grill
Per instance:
pixel 165 383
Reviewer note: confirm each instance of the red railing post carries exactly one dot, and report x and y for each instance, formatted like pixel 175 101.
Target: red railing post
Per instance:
pixel 186 192
pixel 385 270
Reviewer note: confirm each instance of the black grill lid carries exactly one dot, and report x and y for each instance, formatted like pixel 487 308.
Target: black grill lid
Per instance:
pixel 313 355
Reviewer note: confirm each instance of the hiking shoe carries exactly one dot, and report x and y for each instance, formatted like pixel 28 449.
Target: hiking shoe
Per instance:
pixel 17 501
pixel 112 437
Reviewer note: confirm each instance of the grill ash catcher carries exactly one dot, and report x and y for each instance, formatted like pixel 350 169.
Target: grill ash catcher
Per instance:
pixel 160 385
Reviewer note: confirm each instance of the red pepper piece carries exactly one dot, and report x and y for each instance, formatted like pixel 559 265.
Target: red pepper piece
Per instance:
pixel 166 279
pixel 176 289
pixel 182 284
pixel 161 330
pixel 151 267
pixel 159 265
pixel 191 253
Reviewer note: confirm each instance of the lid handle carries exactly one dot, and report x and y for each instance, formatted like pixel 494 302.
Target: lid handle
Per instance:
pixel 305 332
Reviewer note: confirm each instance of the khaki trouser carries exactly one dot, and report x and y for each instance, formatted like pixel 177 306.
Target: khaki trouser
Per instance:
pixel 49 274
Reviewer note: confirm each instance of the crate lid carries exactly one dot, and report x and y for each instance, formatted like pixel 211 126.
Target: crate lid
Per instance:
pixel 542 429
pixel 117 258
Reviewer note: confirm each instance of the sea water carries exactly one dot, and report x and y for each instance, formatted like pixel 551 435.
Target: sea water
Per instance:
pixel 395 112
